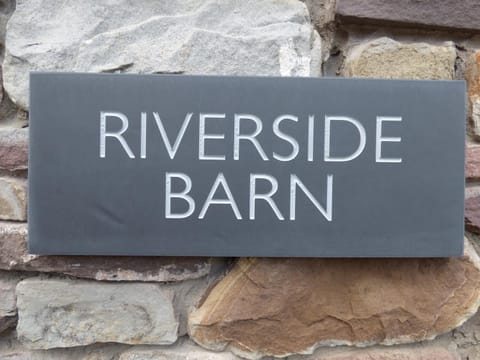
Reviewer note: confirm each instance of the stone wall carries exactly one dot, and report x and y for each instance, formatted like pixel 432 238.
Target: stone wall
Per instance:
pixel 126 308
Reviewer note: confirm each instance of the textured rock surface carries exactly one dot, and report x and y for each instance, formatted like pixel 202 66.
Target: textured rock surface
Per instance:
pixel 473 82
pixel 472 168
pixel 475 111
pixel 253 37
pixel 14 256
pixel 466 339
pixel 472 214
pixel 13 149
pixel 184 350
pixel 387 58
pixel 472 191
pixel 12 349
pixel 441 14
pixel 8 308
pixel 404 353
pixel 299 304
pixel 65 313
pixel 13 198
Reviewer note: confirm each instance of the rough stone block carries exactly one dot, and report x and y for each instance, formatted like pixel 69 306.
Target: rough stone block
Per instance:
pixel 300 304
pixel 403 353
pixel 65 313
pixel 12 349
pixel 8 308
pixel 387 58
pixel 14 256
pixel 184 350
pixel 13 149
pixel 473 82
pixel 445 14
pixel 13 198
pixel 472 214
pixel 265 37
pixel 472 168
pixel 472 191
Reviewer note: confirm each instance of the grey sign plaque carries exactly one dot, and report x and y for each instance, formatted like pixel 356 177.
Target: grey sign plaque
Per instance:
pixel 245 166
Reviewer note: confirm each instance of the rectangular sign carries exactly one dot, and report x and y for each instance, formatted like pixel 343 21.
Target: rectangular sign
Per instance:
pixel 245 166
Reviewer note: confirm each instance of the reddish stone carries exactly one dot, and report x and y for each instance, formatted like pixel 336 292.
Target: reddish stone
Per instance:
pixel 14 256
pixel 472 214
pixel 472 169
pixel 443 14
pixel 13 149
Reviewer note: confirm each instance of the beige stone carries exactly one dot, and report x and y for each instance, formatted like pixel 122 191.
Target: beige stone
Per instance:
pixel 387 58
pixel 298 305
pixel 473 83
pixel 13 198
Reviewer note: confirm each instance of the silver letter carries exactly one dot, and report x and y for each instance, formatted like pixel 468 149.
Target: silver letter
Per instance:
pixel 172 150
pixel 311 122
pixel 283 136
pixel 250 137
pixel 294 181
pixel 181 195
pixel 267 197
pixel 202 136
pixel 379 139
pixel 117 134
pixel 361 145
pixel 220 180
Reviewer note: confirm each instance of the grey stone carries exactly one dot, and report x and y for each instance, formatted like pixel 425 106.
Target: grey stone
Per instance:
pixel 253 37
pixel 443 14
pixel 387 58
pixel 14 256
pixel 8 306
pixel 13 198
pixel 12 349
pixel 426 352
pixel 13 149
pixel 183 350
pixel 467 338
pixel 65 313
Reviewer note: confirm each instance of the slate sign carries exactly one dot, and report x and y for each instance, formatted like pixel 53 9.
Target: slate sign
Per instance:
pixel 245 166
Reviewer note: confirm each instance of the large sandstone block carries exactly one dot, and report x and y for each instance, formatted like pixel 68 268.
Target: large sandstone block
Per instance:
pixel 14 256
pixel 13 149
pixel 387 58
pixel 64 313
pixel 253 37
pixel 13 198
pixel 298 305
